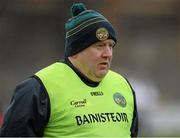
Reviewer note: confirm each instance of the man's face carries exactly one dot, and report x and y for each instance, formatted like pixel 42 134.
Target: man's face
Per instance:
pixel 94 61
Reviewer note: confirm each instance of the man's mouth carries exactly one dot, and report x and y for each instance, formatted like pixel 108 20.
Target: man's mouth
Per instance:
pixel 104 64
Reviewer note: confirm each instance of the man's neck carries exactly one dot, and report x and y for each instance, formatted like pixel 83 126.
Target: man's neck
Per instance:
pixel 86 80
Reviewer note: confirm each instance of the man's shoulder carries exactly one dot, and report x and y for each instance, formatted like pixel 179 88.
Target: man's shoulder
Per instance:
pixel 115 74
pixel 30 81
pixel 52 67
pixel 29 85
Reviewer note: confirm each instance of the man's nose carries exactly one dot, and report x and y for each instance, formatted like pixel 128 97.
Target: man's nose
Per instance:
pixel 107 51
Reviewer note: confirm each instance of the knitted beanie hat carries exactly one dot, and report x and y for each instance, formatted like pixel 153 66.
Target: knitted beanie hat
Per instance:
pixel 85 28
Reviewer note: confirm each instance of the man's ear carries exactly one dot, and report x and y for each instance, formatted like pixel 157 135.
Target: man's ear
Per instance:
pixel 73 57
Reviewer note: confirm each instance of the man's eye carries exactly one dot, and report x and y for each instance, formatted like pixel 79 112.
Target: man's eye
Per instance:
pixel 111 45
pixel 100 45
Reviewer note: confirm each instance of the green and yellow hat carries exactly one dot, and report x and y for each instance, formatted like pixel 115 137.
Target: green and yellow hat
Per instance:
pixel 85 28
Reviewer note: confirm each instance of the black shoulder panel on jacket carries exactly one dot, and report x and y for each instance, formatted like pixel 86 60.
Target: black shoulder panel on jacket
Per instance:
pixel 28 112
pixel 134 126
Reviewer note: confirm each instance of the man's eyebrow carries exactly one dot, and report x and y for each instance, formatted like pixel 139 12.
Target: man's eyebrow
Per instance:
pixel 101 42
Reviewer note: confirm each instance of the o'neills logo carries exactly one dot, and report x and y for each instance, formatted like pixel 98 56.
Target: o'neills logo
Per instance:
pixel 78 103
pixel 101 118
pixel 102 34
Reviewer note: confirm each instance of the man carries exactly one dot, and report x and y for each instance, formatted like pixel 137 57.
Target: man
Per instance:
pixel 79 97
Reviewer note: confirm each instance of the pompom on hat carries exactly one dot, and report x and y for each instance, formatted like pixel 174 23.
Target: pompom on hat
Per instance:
pixel 85 28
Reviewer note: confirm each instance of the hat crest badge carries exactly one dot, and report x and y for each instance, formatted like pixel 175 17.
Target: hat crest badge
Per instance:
pixel 102 34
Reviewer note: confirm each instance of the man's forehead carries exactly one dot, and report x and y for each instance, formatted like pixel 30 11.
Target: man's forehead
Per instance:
pixel 111 41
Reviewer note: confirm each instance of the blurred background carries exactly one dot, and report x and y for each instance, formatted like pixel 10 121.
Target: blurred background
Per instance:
pixel 148 51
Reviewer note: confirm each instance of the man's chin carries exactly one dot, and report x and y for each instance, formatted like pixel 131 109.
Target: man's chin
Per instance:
pixel 102 73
